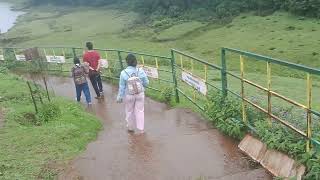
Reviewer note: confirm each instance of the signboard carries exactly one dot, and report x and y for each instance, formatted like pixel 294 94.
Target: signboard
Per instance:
pixel 56 59
pixel 1 57
pixel 104 63
pixel 196 82
pixel 20 57
pixel 151 72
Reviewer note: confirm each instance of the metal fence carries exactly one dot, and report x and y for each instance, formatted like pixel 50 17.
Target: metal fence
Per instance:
pixel 194 78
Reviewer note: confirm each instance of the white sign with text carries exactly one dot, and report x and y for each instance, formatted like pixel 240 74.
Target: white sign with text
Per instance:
pixel 196 82
pixel 20 57
pixel 56 59
pixel 151 72
pixel 1 57
pixel 104 63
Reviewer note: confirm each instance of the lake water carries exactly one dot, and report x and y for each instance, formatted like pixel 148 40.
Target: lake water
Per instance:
pixel 8 17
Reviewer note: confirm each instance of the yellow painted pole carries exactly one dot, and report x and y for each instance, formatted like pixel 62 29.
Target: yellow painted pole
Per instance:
pixel 63 52
pixel 269 92
pixel 44 51
pixel 244 114
pixel 54 54
pixel 192 68
pixel 181 61
pixel 309 115
pixel 142 58
pixel 157 66
pixel 206 73
pixel 157 63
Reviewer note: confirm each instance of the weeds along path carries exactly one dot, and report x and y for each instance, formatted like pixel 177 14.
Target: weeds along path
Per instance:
pixel 178 145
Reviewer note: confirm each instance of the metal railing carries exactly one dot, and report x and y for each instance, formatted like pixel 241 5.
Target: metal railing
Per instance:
pixel 193 78
pixel 269 91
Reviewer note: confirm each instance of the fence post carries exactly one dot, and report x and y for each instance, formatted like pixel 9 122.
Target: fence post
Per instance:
pixel 174 76
pixel 33 99
pixel 74 52
pixel 46 86
pixel 224 73
pixel 309 114
pixel 120 60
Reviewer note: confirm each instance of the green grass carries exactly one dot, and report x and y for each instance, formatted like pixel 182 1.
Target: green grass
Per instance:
pixel 279 35
pixel 38 152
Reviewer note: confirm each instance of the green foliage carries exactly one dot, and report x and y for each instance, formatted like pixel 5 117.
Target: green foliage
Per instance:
pixel 49 111
pixel 313 166
pixel 59 132
pixel 280 138
pixel 166 94
pixel 223 112
pixel 218 8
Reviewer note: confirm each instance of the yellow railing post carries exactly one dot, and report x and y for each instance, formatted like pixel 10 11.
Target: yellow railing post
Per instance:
pixel 206 73
pixel 244 114
pixel 269 92
pixel 181 61
pixel 54 54
pixel 157 63
pixel 157 66
pixel 142 58
pixel 192 68
pixel 309 115
pixel 44 51
pixel 63 52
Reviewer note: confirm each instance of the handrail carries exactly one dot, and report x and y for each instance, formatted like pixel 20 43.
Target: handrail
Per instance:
pixel 197 59
pixel 275 61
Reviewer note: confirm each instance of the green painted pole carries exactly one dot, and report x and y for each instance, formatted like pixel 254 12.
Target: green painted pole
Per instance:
pixel 120 60
pixel 224 73
pixel 174 76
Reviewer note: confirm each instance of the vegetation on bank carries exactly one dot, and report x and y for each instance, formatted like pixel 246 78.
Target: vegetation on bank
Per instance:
pixel 37 146
pixel 226 115
pixel 205 9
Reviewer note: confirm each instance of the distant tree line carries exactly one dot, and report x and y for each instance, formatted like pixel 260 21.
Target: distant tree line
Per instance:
pixel 218 8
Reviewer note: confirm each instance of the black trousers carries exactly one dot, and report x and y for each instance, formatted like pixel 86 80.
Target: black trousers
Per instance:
pixel 96 84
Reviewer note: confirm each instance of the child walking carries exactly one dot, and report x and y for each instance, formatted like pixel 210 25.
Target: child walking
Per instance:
pixel 79 73
pixel 132 83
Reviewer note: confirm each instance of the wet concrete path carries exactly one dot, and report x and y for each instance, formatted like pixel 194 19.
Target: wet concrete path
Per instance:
pixel 178 145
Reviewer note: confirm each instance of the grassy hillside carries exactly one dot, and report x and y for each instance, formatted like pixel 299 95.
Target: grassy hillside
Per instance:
pixel 279 35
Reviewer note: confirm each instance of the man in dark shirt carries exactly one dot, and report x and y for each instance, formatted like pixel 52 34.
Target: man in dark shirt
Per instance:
pixel 92 57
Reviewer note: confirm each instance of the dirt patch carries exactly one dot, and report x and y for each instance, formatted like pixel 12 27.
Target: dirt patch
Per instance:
pixel 51 170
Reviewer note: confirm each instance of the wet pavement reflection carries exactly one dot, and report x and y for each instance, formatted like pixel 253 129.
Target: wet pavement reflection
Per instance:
pixel 178 145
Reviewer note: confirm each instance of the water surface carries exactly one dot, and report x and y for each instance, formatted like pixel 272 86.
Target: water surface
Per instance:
pixel 8 17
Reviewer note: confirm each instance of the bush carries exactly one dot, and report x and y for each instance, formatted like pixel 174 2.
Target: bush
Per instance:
pixel 225 114
pixel 49 111
pixel 166 95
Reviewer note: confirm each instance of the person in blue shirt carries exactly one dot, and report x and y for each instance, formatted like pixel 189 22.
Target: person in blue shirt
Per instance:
pixel 132 94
